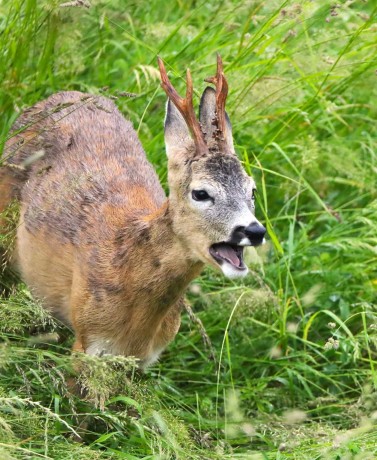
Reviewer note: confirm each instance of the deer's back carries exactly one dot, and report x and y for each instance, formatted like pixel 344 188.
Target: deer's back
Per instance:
pixel 88 173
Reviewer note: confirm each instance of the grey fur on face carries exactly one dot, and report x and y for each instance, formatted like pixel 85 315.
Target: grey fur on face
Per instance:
pixel 229 188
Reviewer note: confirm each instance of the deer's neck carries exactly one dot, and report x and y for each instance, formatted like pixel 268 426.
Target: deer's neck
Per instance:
pixel 161 266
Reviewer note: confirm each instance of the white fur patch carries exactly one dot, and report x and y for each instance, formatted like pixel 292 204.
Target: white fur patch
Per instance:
pixel 152 358
pixel 244 219
pixel 230 272
pixel 100 347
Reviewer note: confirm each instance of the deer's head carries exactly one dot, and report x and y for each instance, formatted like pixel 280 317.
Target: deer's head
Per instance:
pixel 211 196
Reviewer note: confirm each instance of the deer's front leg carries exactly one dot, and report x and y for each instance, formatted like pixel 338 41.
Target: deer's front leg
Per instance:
pixel 168 329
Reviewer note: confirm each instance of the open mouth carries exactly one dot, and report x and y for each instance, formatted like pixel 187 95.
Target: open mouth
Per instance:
pixel 227 252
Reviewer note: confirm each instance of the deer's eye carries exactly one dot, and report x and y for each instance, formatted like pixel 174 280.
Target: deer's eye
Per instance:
pixel 200 195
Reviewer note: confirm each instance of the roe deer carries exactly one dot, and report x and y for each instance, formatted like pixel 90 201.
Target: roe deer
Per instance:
pixel 98 242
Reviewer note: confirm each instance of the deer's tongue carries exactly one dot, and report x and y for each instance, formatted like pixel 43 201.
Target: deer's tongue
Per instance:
pixel 225 251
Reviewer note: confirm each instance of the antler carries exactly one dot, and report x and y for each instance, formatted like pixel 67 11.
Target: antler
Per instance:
pixel 221 84
pixel 184 105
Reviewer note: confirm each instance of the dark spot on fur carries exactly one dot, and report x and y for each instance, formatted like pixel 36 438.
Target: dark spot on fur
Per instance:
pixel 112 288
pixel 95 288
pixel 94 256
pixel 224 169
pixel 144 236
pixel 120 237
pixel 174 166
pixel 70 143
pixel 165 301
pixel 120 257
pixel 156 263
pixel 172 294
pixel 121 247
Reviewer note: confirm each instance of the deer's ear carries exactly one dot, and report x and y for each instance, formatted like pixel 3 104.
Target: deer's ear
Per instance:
pixel 207 114
pixel 177 134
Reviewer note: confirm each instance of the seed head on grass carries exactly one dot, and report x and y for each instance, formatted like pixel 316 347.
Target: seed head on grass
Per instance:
pixel 331 344
pixel 275 352
pixel 20 313
pixel 102 377
pixel 6 455
pixel 294 416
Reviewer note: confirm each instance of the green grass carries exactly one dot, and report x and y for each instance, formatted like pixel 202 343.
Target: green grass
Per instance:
pixel 303 103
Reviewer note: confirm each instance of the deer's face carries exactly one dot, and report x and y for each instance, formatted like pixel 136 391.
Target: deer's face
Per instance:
pixel 211 196
pixel 213 201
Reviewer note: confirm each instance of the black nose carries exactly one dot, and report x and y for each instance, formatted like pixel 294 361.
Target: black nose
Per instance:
pixel 255 232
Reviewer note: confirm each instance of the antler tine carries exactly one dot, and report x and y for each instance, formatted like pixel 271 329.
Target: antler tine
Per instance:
pixel 184 105
pixel 221 84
